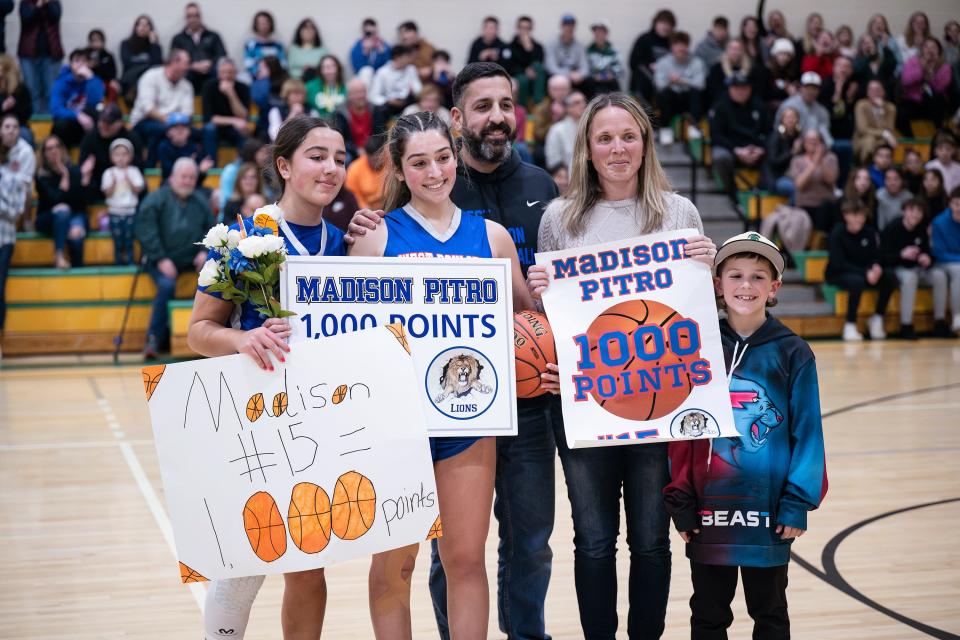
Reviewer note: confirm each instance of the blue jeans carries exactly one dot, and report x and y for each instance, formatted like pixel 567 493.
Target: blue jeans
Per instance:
pixel 151 132
pixel 524 508
pixel 57 224
pixel 213 135
pixel 595 477
pixel 843 149
pixel 166 287
pixel 121 228
pixel 784 187
pixel 6 255
pixel 39 74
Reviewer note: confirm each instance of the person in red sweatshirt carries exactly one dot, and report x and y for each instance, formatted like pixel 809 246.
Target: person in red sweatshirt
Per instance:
pixel 740 502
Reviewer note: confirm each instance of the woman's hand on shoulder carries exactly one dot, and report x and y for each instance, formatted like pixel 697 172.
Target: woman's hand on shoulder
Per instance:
pixel 263 341
pixel 700 248
pixel 362 220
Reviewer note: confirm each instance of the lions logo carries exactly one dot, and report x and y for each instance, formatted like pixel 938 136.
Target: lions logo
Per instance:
pixel 694 424
pixel 461 383
pixel 754 415
pixel 460 376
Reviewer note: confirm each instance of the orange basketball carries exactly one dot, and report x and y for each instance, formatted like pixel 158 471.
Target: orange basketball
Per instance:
pixel 255 407
pixel 151 378
pixel 354 506
pixel 436 531
pixel 188 575
pixel 398 332
pixel 309 517
pixel 339 394
pixel 657 391
pixel 264 526
pixel 279 403
pixel 534 348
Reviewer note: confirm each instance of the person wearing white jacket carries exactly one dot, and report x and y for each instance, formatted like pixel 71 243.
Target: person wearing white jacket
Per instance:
pixel 397 84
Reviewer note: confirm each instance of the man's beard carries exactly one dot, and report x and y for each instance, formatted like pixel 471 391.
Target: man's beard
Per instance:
pixel 482 150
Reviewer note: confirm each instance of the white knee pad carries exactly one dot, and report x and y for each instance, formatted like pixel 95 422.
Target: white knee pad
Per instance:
pixel 228 605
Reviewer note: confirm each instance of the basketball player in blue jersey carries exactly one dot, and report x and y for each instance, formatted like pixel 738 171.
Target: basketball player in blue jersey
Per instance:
pixel 493 183
pixel 422 220
pixel 308 158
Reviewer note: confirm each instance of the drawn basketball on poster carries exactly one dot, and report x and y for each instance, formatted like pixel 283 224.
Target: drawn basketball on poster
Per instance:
pixel 151 378
pixel 638 354
pixel 436 531
pixel 309 517
pixel 400 334
pixel 461 383
pixel 354 506
pixel 279 403
pixel 255 407
pixel 264 526
pixel 188 575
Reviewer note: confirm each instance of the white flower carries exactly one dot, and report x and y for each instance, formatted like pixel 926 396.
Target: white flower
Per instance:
pixel 252 246
pixel 274 244
pixel 210 274
pixel 233 239
pixel 216 237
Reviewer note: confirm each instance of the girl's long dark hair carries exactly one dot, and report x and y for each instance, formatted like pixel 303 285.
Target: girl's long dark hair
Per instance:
pixel 396 191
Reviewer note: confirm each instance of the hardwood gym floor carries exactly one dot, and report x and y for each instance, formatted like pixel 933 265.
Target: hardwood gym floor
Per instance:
pixel 85 543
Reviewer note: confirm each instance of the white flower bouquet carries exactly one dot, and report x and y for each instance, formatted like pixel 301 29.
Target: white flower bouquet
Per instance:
pixel 247 266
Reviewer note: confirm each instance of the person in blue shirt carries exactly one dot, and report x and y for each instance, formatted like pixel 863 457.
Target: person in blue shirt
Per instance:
pixel 262 44
pixel 74 98
pixel 309 159
pixel 945 243
pixel 740 502
pixel 423 221
pixel 370 50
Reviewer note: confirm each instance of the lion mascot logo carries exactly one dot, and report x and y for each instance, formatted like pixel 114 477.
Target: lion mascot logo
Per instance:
pixel 460 377
pixel 694 424
pixel 754 415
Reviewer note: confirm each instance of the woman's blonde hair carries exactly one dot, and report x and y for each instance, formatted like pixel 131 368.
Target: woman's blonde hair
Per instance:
pixel 10 71
pixel 585 190
pixel 290 85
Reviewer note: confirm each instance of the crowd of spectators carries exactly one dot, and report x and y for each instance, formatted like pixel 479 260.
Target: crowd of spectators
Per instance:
pixel 806 112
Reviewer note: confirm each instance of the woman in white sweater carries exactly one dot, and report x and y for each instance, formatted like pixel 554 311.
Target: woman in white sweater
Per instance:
pixel 617 190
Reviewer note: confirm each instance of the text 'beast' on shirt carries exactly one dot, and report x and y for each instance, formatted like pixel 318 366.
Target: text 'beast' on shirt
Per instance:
pixel 514 195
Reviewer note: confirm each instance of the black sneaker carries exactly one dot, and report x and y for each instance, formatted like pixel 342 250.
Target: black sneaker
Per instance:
pixel 150 348
pixel 941 330
pixel 907 332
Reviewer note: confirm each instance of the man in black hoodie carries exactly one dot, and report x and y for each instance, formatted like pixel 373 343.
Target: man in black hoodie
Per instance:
pixel 494 183
pixel 738 129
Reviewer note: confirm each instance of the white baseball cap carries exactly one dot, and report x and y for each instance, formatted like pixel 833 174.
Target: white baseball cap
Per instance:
pixel 810 77
pixel 750 242
pixel 782 45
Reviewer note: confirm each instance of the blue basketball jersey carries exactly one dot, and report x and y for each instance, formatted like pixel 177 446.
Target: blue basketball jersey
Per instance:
pixel 409 234
pixel 310 237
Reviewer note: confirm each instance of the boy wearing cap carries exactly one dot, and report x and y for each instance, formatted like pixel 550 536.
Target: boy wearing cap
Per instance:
pixel 603 61
pixel 178 144
pixel 122 184
pixel 739 502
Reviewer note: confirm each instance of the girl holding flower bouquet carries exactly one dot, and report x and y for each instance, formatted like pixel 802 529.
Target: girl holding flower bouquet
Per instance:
pixel 236 311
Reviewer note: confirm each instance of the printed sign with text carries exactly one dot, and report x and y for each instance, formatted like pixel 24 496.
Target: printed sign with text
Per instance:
pixel 638 343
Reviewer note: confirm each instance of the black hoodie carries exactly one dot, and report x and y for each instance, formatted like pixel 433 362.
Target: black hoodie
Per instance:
pixel 514 195
pixel 737 490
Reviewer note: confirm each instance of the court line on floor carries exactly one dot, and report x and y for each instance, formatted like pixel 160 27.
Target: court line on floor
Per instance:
pixel 830 574
pixel 146 489
pixel 93 444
